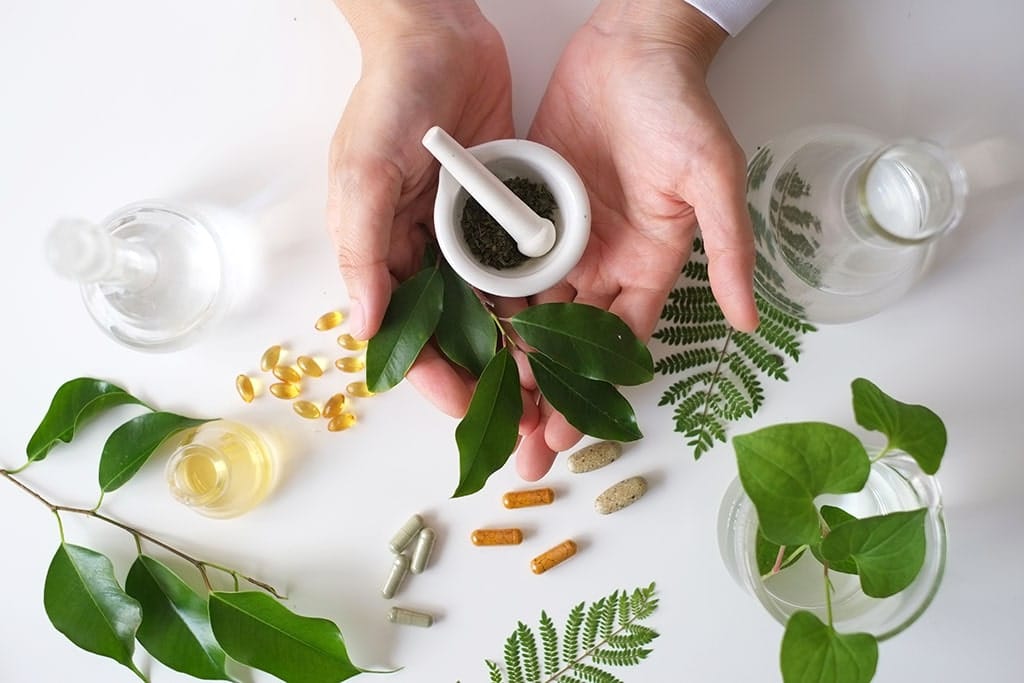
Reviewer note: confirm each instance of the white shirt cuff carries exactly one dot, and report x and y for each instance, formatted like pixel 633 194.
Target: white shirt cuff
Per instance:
pixel 732 15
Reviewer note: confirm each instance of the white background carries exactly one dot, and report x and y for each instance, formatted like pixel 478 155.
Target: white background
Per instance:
pixel 107 102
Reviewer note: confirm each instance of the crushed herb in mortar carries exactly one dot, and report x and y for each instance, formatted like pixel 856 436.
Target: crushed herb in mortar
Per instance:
pixel 485 237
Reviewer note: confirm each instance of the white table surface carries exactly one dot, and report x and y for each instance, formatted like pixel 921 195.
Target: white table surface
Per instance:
pixel 107 102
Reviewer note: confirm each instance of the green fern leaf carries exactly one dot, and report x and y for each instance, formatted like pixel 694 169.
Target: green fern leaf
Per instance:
pixel 571 635
pixel 591 623
pixel 513 663
pixel 528 651
pixel 549 641
pixel 630 656
pixel 592 674
pixel 608 614
pixel 494 672
pixel 696 270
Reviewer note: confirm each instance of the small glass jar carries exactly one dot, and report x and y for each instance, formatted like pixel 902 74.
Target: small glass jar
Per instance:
pixel 895 483
pixel 221 469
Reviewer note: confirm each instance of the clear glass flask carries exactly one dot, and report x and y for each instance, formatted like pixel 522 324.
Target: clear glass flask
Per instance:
pixel 844 221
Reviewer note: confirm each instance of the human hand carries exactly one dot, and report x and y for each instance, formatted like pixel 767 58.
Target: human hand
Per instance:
pixel 628 107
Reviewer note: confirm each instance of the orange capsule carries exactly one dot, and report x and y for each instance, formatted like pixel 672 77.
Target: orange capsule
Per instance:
pixel 341 422
pixel 497 537
pixel 329 320
pixel 245 389
pixel 528 498
pixel 350 363
pixel 284 390
pixel 287 373
pixel 553 557
pixel 334 405
pixel 309 366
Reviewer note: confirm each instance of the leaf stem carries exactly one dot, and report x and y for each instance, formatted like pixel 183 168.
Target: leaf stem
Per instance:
pixel 715 375
pixel 200 565
pixel 18 469
pixel 828 594
pixel 568 667
pixel 60 525
pixel 777 567
pixel 884 452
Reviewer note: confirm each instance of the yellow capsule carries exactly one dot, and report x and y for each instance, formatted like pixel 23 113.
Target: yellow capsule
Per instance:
pixel 245 389
pixel 347 341
pixel 309 366
pixel 350 363
pixel 329 320
pixel 553 557
pixel 271 357
pixel 287 373
pixel 334 406
pixel 359 390
pixel 527 498
pixel 497 537
pixel 341 422
pixel 306 409
pixel 284 390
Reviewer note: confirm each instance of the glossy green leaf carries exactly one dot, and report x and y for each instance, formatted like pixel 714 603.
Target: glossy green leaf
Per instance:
pixel 812 652
pixel 175 625
pixel 486 436
pixel 75 402
pixel 466 333
pixel 84 602
pixel 593 407
pixel 913 429
pixel 784 467
pixel 588 340
pixel 408 323
pixel 834 517
pixel 767 554
pixel 129 446
pixel 888 550
pixel 260 632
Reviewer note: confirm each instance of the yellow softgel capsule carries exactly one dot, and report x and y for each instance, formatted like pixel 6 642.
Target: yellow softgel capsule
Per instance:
pixel 350 363
pixel 347 341
pixel 497 537
pixel 329 320
pixel 359 390
pixel 309 366
pixel 341 422
pixel 287 373
pixel 271 357
pixel 284 390
pixel 306 409
pixel 334 406
pixel 553 557
pixel 528 498
pixel 245 389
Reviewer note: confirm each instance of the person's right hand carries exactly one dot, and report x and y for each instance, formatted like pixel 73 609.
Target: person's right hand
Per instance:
pixel 425 63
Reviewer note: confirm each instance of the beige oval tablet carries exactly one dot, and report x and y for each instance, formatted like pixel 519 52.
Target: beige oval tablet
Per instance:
pixel 594 456
pixel 621 495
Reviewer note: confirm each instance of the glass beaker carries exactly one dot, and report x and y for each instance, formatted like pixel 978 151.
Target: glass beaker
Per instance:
pixel 844 221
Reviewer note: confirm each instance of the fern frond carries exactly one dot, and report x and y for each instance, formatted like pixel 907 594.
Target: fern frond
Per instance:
pixel 528 652
pixel 494 672
pixel 675 363
pixel 549 641
pixel 790 322
pixel 608 614
pixel 571 636
pixel 592 674
pixel 696 270
pixel 513 665
pixel 764 359
pixel 626 656
pixel 748 378
pixel 682 335
pixel 677 312
pixel 735 404
pixel 591 623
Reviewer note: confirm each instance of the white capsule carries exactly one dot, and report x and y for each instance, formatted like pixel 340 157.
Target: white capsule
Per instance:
pixel 404 536
pixel 399 569
pixel 621 495
pixel 408 617
pixel 421 551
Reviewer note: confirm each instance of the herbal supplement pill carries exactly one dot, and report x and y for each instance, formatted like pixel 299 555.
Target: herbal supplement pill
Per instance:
pixel 334 406
pixel 306 409
pixel 271 357
pixel 244 386
pixel 287 373
pixel 309 366
pixel 340 423
pixel 399 569
pixel 497 537
pixel 329 320
pixel 350 363
pixel 408 617
pixel 527 498
pixel 621 495
pixel 557 555
pixel 347 341
pixel 421 551
pixel 594 456
pixel 284 390
pixel 404 536
pixel 359 390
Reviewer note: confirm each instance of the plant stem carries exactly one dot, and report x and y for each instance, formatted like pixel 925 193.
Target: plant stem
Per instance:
pixel 568 667
pixel 20 468
pixel 200 565
pixel 715 376
pixel 884 452
pixel 828 595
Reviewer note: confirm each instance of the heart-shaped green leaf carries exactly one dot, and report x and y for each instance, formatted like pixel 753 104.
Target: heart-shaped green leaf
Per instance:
pixel 466 333
pixel 486 436
pixel 75 402
pixel 913 429
pixel 767 554
pixel 784 467
pixel 84 602
pixel 408 323
pixel 888 550
pixel 587 340
pixel 175 625
pixel 835 517
pixel 260 632
pixel 129 446
pixel 593 407
pixel 812 652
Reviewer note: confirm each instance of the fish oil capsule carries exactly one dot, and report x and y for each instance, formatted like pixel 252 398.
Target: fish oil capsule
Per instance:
pixel 309 366
pixel 341 422
pixel 306 409
pixel 421 551
pixel 284 390
pixel 359 390
pixel 287 373
pixel 399 569
pixel 329 320
pixel 347 341
pixel 594 456
pixel 405 535
pixel 334 406
pixel 528 498
pixel 620 495
pixel 245 389
pixel 497 537
pixel 553 557
pixel 350 363
pixel 408 617
pixel 271 357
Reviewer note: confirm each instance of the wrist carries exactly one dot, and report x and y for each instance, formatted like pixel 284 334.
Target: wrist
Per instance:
pixel 380 23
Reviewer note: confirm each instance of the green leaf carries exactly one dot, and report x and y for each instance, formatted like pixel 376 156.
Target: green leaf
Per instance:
pixel 408 323
pixel 784 467
pixel 175 621
pixel 466 332
pixel 888 550
pixel 128 448
pixel 834 517
pixel 767 554
pixel 593 407
pixel 260 632
pixel 913 429
pixel 587 340
pixel 812 652
pixel 486 436
pixel 74 403
pixel 84 602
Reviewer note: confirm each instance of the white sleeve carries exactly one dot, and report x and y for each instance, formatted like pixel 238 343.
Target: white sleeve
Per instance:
pixel 732 15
